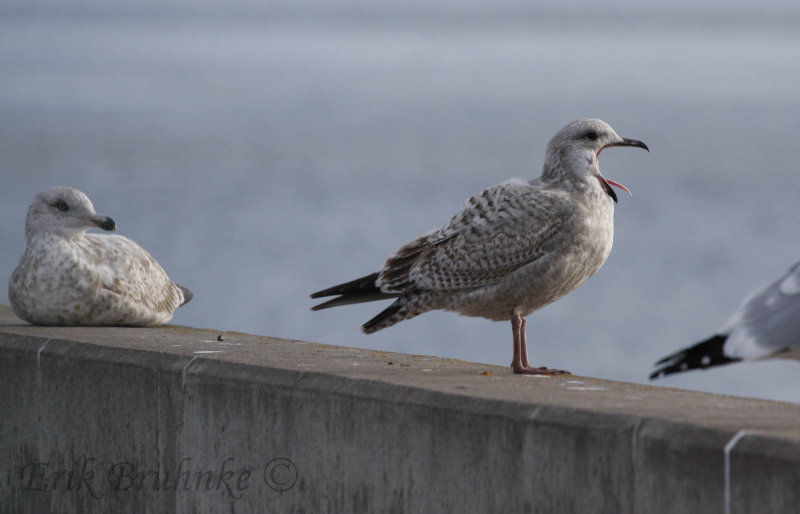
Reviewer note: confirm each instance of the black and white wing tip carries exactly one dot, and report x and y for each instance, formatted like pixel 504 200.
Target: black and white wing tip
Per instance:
pixel 705 354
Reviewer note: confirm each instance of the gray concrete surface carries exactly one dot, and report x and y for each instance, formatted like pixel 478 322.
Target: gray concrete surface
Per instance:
pixel 172 419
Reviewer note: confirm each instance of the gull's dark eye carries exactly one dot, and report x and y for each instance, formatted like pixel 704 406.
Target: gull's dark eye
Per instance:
pixel 61 205
pixel 592 135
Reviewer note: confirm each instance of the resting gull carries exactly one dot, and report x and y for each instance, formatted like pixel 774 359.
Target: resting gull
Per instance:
pixel 766 324
pixel 69 277
pixel 512 249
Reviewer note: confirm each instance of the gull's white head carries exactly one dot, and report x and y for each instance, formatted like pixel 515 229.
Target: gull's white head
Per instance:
pixel 572 153
pixel 63 211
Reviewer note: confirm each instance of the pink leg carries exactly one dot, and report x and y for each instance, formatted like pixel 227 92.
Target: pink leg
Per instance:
pixel 520 363
pixel 524 343
pixel 516 325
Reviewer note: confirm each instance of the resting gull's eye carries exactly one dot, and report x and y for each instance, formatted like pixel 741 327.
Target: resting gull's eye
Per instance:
pixel 61 205
pixel 592 135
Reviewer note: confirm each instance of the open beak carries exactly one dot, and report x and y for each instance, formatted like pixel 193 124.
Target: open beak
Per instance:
pixel 606 183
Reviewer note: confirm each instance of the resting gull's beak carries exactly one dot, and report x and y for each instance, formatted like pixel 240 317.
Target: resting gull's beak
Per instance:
pixel 105 223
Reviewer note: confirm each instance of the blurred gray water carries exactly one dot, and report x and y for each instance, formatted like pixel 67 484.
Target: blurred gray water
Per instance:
pixel 264 151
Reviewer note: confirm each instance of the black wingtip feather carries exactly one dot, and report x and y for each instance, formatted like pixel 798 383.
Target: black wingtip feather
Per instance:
pixel 359 290
pixel 359 285
pixel 187 295
pixel 705 354
pixel 349 299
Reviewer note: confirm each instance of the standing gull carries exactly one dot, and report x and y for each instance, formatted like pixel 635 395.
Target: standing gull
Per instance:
pixel 512 249
pixel 69 277
pixel 766 324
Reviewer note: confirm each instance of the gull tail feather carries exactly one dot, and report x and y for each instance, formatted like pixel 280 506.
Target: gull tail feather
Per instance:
pixel 705 354
pixel 407 306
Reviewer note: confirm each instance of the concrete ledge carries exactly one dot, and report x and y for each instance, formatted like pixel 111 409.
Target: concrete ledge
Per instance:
pixel 173 420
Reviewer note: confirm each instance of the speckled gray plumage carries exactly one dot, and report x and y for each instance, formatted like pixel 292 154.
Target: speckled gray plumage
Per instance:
pixel 69 277
pixel 513 248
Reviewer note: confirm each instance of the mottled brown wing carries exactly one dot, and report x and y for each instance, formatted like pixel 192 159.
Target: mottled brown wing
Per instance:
pixel 499 231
